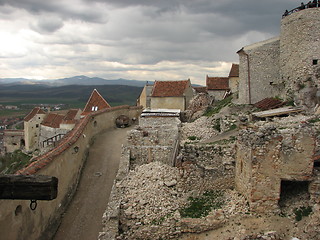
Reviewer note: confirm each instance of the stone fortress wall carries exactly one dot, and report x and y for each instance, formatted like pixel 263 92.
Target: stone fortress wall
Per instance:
pixel 17 220
pixel 299 44
pixel 286 66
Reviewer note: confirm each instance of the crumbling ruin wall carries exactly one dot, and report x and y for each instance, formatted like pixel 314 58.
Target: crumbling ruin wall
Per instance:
pixel 215 162
pixel 268 154
pixel 155 139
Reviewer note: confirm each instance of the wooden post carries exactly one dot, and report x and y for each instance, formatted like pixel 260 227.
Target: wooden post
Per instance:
pixel 28 187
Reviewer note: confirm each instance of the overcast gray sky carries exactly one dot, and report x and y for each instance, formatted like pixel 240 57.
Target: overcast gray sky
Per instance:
pixel 132 39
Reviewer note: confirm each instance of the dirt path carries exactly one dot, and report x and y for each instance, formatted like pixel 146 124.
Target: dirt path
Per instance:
pixel 83 217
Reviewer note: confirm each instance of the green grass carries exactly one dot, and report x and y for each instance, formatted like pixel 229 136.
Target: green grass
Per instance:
pixel 12 162
pixel 13 113
pixel 217 125
pixel 232 127
pixel 201 206
pixel 192 138
pixel 217 107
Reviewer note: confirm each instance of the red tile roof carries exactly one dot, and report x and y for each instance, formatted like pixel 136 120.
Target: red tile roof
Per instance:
pixel 217 83
pixel 234 71
pixel 52 120
pixel 269 103
pixel 66 143
pixel 169 88
pixel 70 117
pixel 95 103
pixel 34 111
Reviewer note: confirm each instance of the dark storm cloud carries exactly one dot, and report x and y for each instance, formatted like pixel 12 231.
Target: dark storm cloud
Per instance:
pixel 128 36
pixel 66 9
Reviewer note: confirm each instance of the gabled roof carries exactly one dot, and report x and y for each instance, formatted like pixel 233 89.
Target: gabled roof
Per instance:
pixel 169 88
pixel 34 112
pixel 52 120
pixel 234 71
pixel 95 103
pixel 217 83
pixel 70 116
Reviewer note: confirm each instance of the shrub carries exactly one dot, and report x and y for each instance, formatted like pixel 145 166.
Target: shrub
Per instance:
pixel 302 212
pixel 192 138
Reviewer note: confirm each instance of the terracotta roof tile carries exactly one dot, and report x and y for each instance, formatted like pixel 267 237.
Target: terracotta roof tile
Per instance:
pixel 217 83
pixel 234 71
pixel 34 112
pixel 269 103
pixel 52 120
pixel 70 138
pixel 95 103
pixel 169 88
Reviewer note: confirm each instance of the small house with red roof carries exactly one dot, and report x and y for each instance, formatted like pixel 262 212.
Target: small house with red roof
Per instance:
pixel 95 103
pixel 218 87
pixel 171 95
pixel 56 125
pixel 32 128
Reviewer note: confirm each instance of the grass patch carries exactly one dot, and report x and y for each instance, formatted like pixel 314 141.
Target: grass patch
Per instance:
pixel 314 120
pixel 193 138
pixel 12 162
pixel 302 212
pixel 217 125
pixel 201 206
pixel 232 127
pixel 225 141
pixel 217 107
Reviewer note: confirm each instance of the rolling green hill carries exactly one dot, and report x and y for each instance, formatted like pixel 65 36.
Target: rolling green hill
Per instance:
pixel 71 94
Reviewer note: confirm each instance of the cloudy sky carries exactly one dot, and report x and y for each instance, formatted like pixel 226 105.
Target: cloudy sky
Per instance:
pixel 132 39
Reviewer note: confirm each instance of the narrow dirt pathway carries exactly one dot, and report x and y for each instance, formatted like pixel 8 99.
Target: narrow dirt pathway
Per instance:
pixel 82 221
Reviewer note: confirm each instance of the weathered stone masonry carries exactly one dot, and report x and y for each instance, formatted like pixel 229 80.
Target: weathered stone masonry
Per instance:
pixel 267 155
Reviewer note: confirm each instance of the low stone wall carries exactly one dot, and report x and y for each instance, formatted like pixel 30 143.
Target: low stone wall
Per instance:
pixel 65 162
pixel 215 162
pixel 154 140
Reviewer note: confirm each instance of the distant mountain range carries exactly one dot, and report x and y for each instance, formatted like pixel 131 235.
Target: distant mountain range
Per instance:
pixel 77 80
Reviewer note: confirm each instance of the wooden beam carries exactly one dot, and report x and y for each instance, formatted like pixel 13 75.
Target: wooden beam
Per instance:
pixel 28 187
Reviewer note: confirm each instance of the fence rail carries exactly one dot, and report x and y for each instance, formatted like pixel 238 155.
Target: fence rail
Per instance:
pixel 313 4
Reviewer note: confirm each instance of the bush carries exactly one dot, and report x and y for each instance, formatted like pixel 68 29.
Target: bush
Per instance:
pixel 302 212
pixel 192 138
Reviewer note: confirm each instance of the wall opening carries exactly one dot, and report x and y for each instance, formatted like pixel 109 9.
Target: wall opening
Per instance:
pixel 316 164
pixel 292 192
pixel 315 62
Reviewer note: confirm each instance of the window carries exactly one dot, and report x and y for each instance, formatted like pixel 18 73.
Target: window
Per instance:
pixel 94 108
pixel 37 125
pixel 315 61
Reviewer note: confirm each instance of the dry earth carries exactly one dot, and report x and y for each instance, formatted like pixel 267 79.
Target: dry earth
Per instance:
pixel 83 217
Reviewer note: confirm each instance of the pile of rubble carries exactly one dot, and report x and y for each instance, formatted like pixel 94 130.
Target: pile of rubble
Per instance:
pixel 152 196
pixel 200 128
